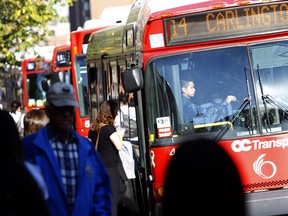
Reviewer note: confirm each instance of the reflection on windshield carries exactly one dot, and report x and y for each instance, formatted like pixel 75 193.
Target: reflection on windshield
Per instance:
pixel 203 91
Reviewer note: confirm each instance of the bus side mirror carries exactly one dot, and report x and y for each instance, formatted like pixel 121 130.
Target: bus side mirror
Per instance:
pixel 132 79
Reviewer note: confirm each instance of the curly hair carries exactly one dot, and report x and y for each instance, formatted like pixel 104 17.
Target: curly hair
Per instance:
pixel 106 114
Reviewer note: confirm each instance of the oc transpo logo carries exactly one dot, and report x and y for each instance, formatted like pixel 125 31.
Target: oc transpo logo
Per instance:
pixel 260 163
pixel 241 145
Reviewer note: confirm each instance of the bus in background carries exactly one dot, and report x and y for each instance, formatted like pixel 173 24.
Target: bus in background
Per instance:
pixel 78 49
pixel 62 64
pixel 72 58
pixel 228 47
pixel 33 73
pixel 61 60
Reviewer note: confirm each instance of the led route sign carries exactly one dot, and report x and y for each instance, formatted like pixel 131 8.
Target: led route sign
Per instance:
pixel 227 23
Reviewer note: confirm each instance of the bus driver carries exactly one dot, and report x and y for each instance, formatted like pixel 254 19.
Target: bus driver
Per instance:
pixel 191 110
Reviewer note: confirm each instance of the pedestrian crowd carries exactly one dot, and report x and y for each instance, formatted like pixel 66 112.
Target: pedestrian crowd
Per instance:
pixel 51 170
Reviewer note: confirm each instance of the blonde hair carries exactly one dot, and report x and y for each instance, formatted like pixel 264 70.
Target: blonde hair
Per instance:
pixel 34 120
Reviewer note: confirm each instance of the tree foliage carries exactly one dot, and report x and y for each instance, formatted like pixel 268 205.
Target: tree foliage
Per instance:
pixel 23 23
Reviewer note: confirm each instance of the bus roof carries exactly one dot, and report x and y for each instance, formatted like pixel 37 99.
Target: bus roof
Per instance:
pixel 161 5
pixel 158 9
pixel 120 14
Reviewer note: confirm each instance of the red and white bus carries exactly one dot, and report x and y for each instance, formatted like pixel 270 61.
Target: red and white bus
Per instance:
pixel 227 47
pixel 33 72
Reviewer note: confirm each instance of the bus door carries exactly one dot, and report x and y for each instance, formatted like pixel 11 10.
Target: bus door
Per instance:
pixel 105 83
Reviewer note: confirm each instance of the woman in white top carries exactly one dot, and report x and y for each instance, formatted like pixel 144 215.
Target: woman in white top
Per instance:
pixel 18 116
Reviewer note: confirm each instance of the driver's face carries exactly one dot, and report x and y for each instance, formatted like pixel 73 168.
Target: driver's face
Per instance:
pixel 190 89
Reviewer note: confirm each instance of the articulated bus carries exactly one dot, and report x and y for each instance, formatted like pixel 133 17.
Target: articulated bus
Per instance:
pixel 33 72
pixel 230 47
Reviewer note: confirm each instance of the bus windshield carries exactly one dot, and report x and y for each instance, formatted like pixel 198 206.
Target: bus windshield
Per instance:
pixel 216 74
pixel 35 93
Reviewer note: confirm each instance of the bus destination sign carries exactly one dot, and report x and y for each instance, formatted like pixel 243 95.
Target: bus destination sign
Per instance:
pixel 227 23
pixel 63 59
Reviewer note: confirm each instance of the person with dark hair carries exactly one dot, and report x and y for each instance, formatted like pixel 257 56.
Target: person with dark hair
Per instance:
pixel 15 106
pixel 19 192
pixel 108 146
pixel 77 181
pixel 190 109
pixel 126 116
pixel 18 116
pixel 203 169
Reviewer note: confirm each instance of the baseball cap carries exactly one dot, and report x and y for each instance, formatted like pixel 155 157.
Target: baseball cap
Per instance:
pixel 61 94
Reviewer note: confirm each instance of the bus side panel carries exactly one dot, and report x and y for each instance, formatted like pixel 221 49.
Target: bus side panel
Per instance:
pixel 260 160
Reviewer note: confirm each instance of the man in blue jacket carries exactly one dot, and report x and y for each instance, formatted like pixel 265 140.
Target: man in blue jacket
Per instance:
pixel 76 178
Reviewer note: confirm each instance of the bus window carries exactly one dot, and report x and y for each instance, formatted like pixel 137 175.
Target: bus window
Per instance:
pixel 213 72
pixel 270 65
pixel 81 75
pixel 114 80
pixel 34 87
pixel 92 76
pixel 34 72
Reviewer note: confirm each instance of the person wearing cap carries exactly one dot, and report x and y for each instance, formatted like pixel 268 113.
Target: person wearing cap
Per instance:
pixel 77 181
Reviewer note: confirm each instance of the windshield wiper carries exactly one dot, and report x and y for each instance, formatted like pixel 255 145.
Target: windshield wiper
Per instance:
pixel 269 99
pixel 263 98
pixel 222 132
pixel 249 124
pixel 275 103
pixel 232 118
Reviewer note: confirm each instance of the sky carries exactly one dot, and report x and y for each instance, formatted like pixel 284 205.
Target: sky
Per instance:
pixel 63 11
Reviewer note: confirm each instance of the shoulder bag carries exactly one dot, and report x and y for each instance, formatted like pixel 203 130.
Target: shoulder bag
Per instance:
pixel 97 140
pixel 128 163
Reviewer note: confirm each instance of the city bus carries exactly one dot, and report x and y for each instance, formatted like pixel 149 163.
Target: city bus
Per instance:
pixel 232 47
pixel 78 49
pixel 61 60
pixel 71 59
pixel 34 70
